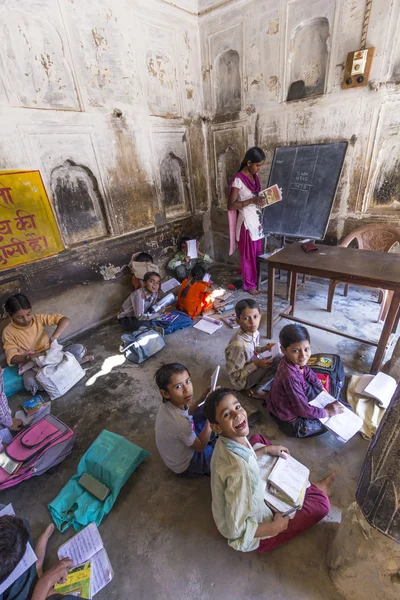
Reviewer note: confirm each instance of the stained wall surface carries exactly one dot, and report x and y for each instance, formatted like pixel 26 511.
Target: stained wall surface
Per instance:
pixel 253 51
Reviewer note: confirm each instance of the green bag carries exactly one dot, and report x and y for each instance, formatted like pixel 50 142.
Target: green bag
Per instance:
pixel 111 459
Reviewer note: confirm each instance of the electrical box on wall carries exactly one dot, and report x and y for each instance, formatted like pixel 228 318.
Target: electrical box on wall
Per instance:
pixel 358 68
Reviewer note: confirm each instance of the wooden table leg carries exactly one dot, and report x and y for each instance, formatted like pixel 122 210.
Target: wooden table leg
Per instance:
pixel 288 284
pixel 270 299
pixel 386 331
pixel 293 292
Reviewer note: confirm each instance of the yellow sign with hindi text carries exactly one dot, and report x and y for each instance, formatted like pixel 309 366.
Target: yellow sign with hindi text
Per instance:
pixel 28 229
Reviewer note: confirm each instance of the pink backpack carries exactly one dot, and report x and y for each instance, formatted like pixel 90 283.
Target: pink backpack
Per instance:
pixel 40 447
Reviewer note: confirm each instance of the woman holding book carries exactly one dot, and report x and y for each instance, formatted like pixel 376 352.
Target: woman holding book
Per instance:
pixel 244 211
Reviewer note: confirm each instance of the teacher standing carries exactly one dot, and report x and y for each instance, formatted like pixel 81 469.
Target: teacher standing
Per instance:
pixel 245 211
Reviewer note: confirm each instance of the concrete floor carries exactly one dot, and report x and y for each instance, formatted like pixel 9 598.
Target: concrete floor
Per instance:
pixel 160 535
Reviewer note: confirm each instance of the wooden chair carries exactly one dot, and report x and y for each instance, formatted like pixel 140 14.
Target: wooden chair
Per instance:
pixel 380 238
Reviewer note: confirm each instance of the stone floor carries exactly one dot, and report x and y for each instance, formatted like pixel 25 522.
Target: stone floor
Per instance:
pixel 160 535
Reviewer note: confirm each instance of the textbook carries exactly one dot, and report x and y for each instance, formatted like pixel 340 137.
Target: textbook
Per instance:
pixel 343 426
pixel 34 404
pixel 381 387
pixel 289 477
pixel 272 352
pixel 28 559
pixel 77 582
pixel 169 285
pixel 231 321
pixel 86 546
pixel 271 195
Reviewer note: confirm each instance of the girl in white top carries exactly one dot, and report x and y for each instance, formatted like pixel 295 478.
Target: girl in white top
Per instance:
pixel 244 206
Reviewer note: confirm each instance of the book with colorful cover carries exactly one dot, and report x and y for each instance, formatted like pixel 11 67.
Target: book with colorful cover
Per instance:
pixel 231 320
pixel 77 582
pixel 34 404
pixel 271 195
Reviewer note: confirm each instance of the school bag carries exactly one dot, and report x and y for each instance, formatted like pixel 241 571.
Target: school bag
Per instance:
pixel 39 447
pixel 140 345
pixel 174 321
pixel 329 366
pixel 59 371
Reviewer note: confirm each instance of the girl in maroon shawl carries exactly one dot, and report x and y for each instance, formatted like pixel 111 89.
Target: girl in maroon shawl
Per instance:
pixel 244 210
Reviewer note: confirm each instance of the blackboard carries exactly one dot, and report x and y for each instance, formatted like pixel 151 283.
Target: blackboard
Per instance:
pixel 308 176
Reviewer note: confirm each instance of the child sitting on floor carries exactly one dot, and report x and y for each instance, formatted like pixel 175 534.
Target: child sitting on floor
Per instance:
pixel 141 263
pixel 245 368
pixel 136 308
pixel 182 432
pixel 194 296
pixel 33 583
pixel 181 264
pixel 237 488
pixel 25 338
pixel 294 385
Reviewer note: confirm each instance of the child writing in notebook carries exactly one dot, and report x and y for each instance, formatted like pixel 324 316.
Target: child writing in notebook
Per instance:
pixel 246 369
pixel 182 264
pixel 237 488
pixel 294 385
pixel 194 297
pixel 182 432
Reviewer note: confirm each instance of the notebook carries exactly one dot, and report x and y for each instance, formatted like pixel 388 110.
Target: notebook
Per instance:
pixel 343 426
pixel 25 563
pixel 289 477
pixel 231 321
pixel 34 404
pixel 381 387
pixel 169 285
pixel 77 582
pixel 191 246
pixel 208 325
pixel 85 546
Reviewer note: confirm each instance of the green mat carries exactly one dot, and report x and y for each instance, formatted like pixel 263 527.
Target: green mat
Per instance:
pixel 112 459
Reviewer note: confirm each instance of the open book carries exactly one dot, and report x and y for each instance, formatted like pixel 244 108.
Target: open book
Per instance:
pixel 208 324
pixel 289 477
pixel 85 546
pixel 343 426
pixel 272 352
pixel 24 564
pixel 381 387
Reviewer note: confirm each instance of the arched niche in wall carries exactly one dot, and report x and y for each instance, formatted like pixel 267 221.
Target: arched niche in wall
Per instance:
pixel 77 203
pixel 228 164
pixel 386 192
pixel 308 60
pixel 228 87
pixel 162 87
pixel 174 183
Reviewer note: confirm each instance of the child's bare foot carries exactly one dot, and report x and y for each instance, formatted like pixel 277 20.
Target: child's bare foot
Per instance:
pixel 87 358
pixel 326 484
pixel 41 547
pixel 253 292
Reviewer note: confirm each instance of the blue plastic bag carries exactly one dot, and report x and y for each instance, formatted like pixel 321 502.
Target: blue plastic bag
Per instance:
pixel 13 383
pixel 111 459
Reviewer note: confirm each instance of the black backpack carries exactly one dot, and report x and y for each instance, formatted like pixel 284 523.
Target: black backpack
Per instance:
pixel 329 364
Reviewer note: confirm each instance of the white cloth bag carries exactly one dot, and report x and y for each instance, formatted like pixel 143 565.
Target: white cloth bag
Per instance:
pixel 58 371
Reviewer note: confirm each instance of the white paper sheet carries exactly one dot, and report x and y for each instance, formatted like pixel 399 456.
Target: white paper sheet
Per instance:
pixel 382 388
pixel 289 476
pixel 345 425
pixel 272 353
pixel 102 572
pixel 207 277
pixel 191 246
pixel 169 285
pixel 27 561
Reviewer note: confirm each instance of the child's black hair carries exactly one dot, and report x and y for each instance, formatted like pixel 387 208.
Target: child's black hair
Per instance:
pixel 143 257
pixel 197 274
pixel 150 274
pixel 183 240
pixel 164 373
pixel 15 303
pixel 293 334
pixel 14 537
pixel 243 304
pixel 254 155
pixel 213 400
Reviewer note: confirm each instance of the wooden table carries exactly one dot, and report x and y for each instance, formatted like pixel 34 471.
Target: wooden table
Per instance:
pixel 349 265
